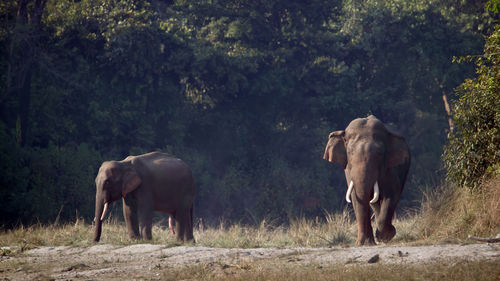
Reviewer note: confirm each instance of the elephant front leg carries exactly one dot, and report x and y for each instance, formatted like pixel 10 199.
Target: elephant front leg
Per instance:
pixel 130 215
pixel 385 230
pixel 365 230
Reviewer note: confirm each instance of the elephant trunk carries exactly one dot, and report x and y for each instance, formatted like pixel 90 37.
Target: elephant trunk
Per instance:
pixel 97 231
pixel 100 209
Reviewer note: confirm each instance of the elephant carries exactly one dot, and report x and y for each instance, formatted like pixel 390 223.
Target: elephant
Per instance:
pixel 376 162
pixel 146 183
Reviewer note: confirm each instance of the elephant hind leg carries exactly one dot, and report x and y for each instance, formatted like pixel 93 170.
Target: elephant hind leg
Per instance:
pixel 170 225
pixel 145 213
pixel 184 225
pixel 179 226
pixel 181 220
pixel 188 235
pixel 146 226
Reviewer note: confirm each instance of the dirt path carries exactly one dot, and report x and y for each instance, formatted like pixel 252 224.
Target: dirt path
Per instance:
pixel 146 261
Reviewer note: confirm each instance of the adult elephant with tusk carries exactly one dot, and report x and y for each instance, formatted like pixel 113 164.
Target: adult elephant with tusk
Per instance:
pixel 376 162
pixel 146 183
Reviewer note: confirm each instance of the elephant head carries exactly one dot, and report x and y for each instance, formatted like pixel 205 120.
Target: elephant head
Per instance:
pixel 113 181
pixel 376 162
pixel 335 151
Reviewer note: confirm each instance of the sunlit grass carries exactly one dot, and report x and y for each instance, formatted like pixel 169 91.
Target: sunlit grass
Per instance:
pixel 452 213
pixel 301 232
pixel 331 230
pixel 446 216
pixel 71 234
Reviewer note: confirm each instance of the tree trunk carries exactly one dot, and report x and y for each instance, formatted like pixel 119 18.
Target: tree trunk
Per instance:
pixel 26 38
pixel 446 105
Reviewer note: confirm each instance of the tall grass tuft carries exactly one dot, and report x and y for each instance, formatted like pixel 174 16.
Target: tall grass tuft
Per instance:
pixel 452 213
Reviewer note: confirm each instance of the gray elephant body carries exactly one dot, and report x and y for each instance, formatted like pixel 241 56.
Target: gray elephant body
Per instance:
pixel 371 156
pixel 146 183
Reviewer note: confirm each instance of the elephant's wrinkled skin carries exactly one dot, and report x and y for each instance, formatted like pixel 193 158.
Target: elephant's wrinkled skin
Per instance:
pixel 370 154
pixel 150 182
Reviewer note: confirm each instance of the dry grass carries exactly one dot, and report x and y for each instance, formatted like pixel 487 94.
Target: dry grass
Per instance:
pixel 332 230
pixel 77 234
pixel 452 216
pixel 448 215
pixel 265 271
pixel 451 213
pixel 336 230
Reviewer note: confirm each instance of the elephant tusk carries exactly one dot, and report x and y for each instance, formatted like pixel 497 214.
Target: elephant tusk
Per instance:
pixel 104 211
pixel 348 194
pixel 376 194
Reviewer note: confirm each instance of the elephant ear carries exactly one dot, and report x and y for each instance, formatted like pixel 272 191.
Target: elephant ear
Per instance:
pixel 398 151
pixel 338 152
pixel 131 181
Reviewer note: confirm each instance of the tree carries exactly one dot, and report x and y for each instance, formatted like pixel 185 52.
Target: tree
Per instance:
pixel 475 147
pixel 244 91
pixel 23 54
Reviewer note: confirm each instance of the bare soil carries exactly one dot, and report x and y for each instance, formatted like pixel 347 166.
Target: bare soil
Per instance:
pixel 147 261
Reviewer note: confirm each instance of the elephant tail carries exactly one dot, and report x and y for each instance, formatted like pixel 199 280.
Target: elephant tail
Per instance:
pixel 191 214
pixel 191 220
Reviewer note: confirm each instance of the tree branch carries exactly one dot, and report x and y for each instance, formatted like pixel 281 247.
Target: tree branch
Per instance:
pixel 489 240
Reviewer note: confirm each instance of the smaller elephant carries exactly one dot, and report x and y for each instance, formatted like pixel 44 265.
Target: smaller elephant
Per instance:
pixel 146 183
pixel 376 162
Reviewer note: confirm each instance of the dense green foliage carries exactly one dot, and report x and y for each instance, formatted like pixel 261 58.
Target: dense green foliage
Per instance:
pixel 244 91
pixel 475 147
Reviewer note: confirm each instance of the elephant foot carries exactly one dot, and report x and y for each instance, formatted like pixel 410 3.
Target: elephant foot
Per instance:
pixel 134 237
pixel 366 243
pixel 365 240
pixel 386 235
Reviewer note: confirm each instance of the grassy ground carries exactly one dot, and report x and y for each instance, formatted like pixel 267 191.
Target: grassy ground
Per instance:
pixel 451 213
pixel 466 271
pixel 447 216
pixel 335 229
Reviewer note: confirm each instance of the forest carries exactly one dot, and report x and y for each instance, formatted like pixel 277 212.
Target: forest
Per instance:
pixel 244 91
